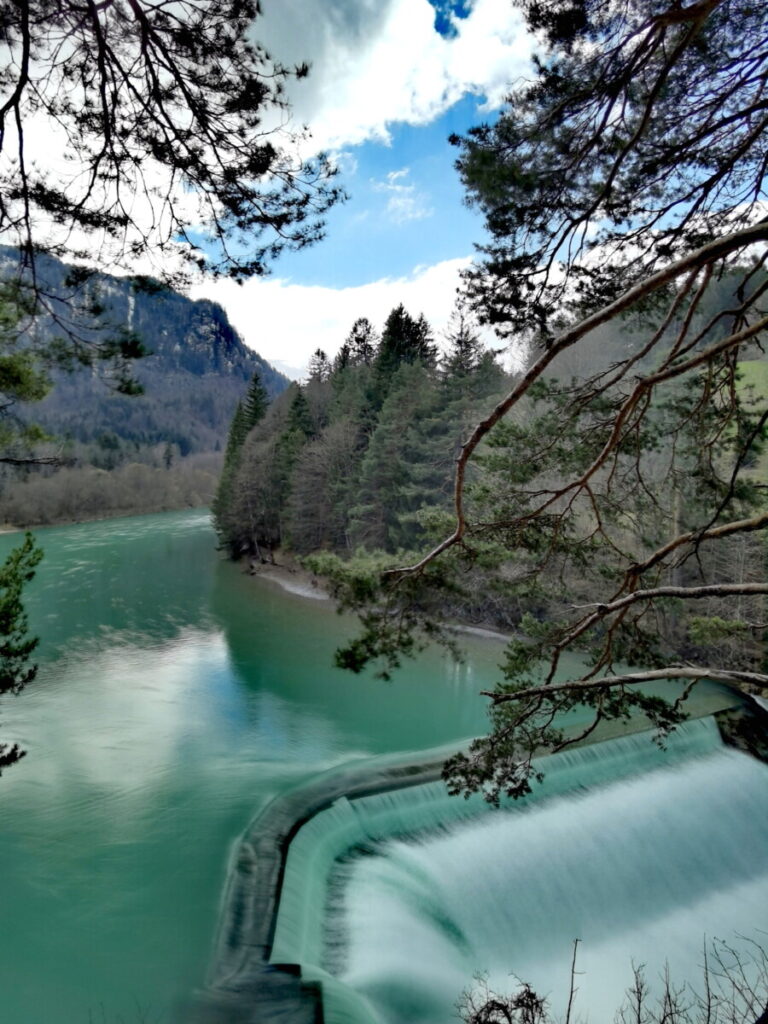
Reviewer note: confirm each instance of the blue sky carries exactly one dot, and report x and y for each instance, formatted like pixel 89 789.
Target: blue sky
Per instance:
pixel 390 80
pixel 405 207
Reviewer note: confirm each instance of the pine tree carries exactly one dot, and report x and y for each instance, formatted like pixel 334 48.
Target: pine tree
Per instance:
pixel 248 413
pixel 255 402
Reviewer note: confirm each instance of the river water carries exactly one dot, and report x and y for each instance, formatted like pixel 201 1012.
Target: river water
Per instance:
pixel 177 696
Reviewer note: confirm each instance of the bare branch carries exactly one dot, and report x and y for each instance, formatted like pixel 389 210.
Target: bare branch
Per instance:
pixel 719 675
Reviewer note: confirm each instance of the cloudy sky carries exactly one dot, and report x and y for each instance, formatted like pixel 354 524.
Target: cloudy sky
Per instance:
pixel 390 81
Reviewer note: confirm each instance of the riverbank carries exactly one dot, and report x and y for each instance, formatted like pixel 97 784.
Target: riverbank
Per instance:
pixel 82 494
pixel 101 517
pixel 288 574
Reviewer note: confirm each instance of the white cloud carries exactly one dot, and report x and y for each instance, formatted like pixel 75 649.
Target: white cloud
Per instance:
pixel 286 322
pixel 378 62
pixel 404 202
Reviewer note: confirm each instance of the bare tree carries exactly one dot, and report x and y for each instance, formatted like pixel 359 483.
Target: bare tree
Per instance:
pixel 733 990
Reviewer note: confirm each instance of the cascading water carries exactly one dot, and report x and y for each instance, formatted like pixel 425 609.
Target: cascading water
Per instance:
pixel 651 851
pixel 644 869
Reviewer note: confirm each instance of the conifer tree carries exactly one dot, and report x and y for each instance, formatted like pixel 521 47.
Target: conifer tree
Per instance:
pixel 255 402
pixel 319 369
pixel 248 413
pixel 465 349
pixel 362 342
pixel 299 416
pixel 403 340
pixel 16 645
pixel 342 359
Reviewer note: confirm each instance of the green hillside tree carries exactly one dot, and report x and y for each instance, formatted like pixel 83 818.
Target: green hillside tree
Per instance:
pixel 362 342
pixel 255 403
pixel 16 645
pixel 21 380
pixel 403 340
pixel 465 349
pixel 405 463
pixel 322 490
pixel 248 413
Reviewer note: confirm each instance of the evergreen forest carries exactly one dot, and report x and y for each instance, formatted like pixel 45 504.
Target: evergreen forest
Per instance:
pixel 355 471
pixel 362 453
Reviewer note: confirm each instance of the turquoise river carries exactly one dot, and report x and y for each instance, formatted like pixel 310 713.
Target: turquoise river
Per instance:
pixel 177 696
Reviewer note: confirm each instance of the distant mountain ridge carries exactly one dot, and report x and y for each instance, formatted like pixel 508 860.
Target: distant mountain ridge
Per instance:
pixel 198 370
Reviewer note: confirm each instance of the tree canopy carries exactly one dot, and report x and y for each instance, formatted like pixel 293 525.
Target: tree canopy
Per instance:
pixel 359 453
pixel 172 119
pixel 16 646
pixel 622 504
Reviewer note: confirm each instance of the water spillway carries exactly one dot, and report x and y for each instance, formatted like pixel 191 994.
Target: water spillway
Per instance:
pixel 176 698
pixel 643 868
pixel 392 898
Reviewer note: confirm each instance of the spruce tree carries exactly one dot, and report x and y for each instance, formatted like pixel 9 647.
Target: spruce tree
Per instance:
pixel 403 340
pixel 464 347
pixel 248 413
pixel 362 342
pixel 255 402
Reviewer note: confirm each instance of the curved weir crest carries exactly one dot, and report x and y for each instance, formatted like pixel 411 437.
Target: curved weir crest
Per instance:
pixel 644 867
pixel 380 896
pixel 367 820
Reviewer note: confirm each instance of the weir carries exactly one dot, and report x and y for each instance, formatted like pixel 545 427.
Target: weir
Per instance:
pixel 343 906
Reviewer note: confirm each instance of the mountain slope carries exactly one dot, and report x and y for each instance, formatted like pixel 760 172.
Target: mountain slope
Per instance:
pixel 197 371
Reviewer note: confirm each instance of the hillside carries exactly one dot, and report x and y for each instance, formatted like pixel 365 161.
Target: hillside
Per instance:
pixel 197 371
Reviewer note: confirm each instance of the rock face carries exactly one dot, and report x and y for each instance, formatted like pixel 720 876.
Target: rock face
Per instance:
pixel 197 371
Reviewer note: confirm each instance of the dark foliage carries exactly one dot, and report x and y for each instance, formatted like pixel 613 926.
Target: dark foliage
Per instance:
pixel 16 646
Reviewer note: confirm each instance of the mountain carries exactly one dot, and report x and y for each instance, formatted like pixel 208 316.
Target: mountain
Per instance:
pixel 198 369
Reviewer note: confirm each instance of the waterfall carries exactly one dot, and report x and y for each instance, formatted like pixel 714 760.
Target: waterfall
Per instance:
pixel 403 895
pixel 510 893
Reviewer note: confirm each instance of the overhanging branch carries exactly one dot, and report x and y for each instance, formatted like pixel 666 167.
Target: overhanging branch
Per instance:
pixel 705 255
pixel 716 674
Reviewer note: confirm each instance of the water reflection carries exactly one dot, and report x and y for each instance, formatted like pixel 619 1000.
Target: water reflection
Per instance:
pixel 175 697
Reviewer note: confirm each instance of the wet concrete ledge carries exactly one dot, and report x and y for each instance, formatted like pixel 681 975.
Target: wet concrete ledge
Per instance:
pixel 243 987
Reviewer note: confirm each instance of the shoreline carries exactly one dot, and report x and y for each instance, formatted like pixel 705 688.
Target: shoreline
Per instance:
pixel 293 578
pixel 103 518
pixel 289 576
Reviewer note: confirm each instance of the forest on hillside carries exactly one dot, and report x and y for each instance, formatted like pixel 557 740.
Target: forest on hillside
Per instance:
pixel 155 445
pixel 357 455
pixel 355 469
